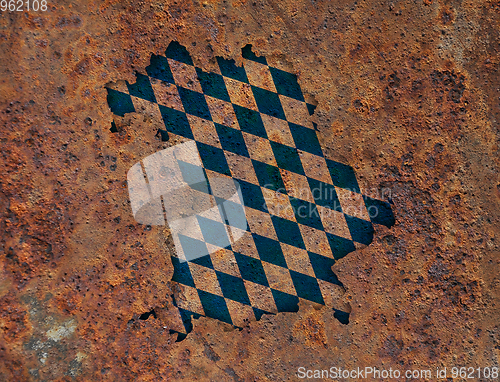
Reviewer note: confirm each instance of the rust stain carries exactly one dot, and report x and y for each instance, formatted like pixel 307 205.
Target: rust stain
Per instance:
pixel 406 94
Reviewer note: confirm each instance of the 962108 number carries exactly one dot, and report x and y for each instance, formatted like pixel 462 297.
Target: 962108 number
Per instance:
pixel 472 373
pixel 20 5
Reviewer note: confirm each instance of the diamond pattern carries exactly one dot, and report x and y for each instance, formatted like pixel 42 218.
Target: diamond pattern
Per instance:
pixel 232 140
pixel 160 69
pixel 142 88
pixel 213 85
pixel 233 288
pixel 287 158
pixel 268 102
pixel 304 211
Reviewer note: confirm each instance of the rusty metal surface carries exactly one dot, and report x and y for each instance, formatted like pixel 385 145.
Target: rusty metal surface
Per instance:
pixel 407 94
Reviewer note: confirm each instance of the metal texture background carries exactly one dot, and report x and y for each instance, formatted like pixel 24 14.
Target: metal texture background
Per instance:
pixel 407 94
